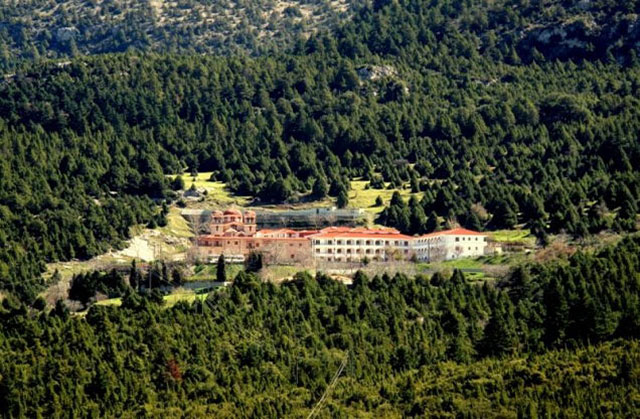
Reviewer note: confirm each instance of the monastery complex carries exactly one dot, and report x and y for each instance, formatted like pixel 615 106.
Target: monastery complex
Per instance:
pixel 234 234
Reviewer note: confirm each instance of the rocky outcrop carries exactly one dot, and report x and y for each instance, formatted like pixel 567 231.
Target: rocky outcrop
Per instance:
pixel 376 72
pixel 583 38
pixel 66 33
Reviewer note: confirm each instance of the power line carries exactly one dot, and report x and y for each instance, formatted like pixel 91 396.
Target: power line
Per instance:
pixel 334 380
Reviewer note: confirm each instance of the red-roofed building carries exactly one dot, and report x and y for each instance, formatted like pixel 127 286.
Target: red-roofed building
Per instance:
pixel 234 235
pixel 449 244
pixel 343 244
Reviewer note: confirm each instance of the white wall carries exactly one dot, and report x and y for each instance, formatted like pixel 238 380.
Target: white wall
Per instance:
pixel 446 247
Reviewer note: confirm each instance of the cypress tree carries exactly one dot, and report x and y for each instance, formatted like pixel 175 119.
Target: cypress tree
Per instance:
pixel 221 271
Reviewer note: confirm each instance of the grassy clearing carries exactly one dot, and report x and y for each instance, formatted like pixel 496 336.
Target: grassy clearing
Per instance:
pixel 177 225
pixel 209 272
pixel 359 197
pixel 169 300
pixel 464 263
pixel 68 269
pixel 217 192
pixel 182 295
pixel 117 302
pixel 270 273
pixel 523 236
pixel 504 259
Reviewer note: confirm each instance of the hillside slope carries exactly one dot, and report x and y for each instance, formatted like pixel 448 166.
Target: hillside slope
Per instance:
pixel 404 93
pixel 42 28
pixel 556 340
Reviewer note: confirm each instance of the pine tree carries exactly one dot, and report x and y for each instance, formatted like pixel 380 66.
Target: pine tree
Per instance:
pixel 557 311
pixel 343 199
pixel 432 223
pixel 418 219
pixel 499 335
pixel 253 262
pixel 178 183
pixel 320 188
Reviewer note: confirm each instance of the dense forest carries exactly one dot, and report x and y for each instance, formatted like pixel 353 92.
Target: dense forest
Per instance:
pixel 548 340
pixel 501 113
pixel 407 93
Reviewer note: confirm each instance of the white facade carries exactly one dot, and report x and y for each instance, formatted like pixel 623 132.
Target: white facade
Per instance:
pixel 355 247
pixel 451 244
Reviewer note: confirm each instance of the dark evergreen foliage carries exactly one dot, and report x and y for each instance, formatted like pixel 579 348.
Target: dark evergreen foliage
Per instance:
pixel 410 93
pixel 414 346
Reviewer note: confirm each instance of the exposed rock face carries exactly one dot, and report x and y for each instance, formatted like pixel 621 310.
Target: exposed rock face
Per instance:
pixel 67 33
pixel 583 38
pixel 376 72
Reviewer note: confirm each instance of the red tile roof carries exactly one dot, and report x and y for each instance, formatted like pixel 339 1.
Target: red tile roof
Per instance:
pixel 276 230
pixel 360 232
pixel 377 230
pixel 347 235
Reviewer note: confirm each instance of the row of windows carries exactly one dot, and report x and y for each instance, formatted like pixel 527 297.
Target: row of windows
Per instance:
pixel 471 239
pixel 440 238
pixel 235 243
pixel 357 251
pixel 361 242
pixel 348 259
pixel 430 239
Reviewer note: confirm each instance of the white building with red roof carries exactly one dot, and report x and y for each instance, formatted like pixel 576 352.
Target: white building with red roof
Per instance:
pixel 449 244
pixel 345 244
pixel 234 234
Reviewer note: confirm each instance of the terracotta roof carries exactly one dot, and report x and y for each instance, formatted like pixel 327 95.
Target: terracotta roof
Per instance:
pixel 361 235
pixel 304 233
pixel 275 230
pixel 232 211
pixel 250 238
pixel 454 232
pixel 377 230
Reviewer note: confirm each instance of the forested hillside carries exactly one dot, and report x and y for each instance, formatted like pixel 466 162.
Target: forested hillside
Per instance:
pixel 550 340
pixel 40 29
pixel 406 92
